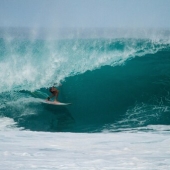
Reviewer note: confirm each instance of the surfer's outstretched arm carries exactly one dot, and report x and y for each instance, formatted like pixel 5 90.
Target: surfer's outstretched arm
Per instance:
pixel 49 97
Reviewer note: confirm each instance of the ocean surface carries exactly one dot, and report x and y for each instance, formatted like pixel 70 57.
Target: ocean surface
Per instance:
pixel 119 88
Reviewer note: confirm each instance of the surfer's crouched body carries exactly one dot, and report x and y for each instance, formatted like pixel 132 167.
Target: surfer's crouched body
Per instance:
pixel 54 92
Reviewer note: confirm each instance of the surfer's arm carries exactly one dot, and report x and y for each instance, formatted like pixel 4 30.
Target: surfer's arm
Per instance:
pixel 49 97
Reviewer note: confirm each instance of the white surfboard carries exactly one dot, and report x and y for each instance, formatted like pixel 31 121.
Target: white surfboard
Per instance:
pixel 54 103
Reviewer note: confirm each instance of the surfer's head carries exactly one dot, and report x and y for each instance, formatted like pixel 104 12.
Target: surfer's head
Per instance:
pixel 51 89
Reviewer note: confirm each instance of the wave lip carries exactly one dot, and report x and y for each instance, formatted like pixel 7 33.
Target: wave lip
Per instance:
pixel 27 65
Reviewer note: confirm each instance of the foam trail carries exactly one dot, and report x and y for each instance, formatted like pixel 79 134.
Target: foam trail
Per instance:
pixel 7 124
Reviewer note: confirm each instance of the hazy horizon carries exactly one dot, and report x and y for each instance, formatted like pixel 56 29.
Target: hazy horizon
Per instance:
pixel 152 14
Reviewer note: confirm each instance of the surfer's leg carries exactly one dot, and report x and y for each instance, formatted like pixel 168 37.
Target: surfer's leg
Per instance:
pixel 56 97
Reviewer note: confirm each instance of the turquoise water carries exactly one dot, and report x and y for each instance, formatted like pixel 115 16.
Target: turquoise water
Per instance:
pixel 112 83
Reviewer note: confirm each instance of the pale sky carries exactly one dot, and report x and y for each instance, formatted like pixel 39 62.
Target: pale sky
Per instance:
pixel 85 13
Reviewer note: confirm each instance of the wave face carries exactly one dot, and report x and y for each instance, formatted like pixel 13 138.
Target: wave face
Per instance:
pixel 111 83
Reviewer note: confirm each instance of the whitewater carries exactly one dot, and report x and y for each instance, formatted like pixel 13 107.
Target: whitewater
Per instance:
pixel 42 150
pixel 119 87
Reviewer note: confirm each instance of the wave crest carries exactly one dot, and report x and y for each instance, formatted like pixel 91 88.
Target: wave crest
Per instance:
pixel 31 65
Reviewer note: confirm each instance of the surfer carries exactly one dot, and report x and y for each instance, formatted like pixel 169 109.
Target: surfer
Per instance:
pixel 54 92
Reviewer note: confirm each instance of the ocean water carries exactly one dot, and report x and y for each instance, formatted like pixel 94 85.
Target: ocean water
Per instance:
pixel 119 88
